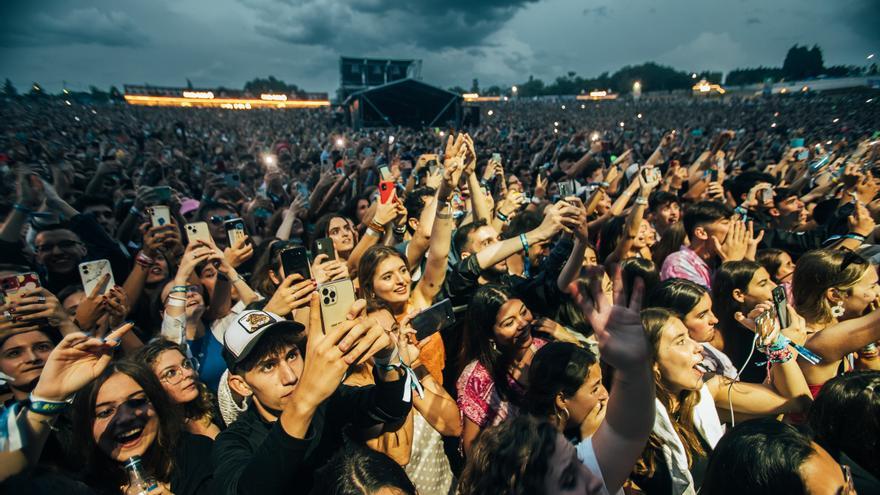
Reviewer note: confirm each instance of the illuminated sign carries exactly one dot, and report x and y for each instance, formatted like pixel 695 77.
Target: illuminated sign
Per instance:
pixel 272 97
pixel 203 95
pixel 229 103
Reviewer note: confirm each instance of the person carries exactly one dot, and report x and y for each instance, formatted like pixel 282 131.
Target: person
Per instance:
pixel 632 236
pixel 123 413
pixel 565 387
pixel 356 470
pixel 833 290
pixel 687 425
pixel 664 211
pixel 181 382
pixel 292 376
pixel 692 304
pixel 778 264
pixel 713 237
pixel 338 228
pixel 844 421
pixel 767 457
pixel 738 286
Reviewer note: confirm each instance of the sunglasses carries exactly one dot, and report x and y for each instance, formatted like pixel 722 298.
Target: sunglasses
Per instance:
pixel 218 219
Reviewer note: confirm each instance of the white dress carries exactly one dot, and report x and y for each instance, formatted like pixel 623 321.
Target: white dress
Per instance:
pixel 428 466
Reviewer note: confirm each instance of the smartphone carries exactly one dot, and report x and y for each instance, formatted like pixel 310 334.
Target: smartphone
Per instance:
pixel 159 215
pixel 433 319
pixel 325 246
pixel 496 157
pixel 163 193
pixel 764 325
pixel 234 230
pixel 713 175
pixel 91 273
pixel 820 164
pixel 336 299
pixel 384 173
pixel 767 195
pixel 232 179
pixel 796 143
pixel 197 231
pixel 296 260
pixel 13 285
pixel 781 304
pixel 386 191
pixel 803 155
pixel 566 188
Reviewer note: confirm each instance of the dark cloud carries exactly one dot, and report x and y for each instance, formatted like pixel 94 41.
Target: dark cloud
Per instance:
pixel 368 25
pixel 751 21
pixel 601 11
pixel 87 25
pixel 863 16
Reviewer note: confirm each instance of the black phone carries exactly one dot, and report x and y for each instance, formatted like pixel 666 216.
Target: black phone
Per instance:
pixel 713 175
pixel 780 302
pixel 296 260
pixel 325 246
pixel 433 319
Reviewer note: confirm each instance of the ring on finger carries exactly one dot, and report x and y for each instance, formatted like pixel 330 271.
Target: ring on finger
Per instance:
pixel 7 315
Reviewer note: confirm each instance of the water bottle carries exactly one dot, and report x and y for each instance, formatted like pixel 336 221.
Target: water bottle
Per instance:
pixel 139 482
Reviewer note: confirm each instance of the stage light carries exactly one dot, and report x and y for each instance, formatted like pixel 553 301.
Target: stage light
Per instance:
pixel 273 97
pixel 555 131
pixel 773 125
pixel 694 75
pixel 442 133
pixel 828 142
pixel 870 56
pixel 583 107
pixel 835 121
pixel 637 86
pixel 514 89
pixel 76 119
pixel 94 112
pixel 489 113
pixel 340 142
pixel 390 139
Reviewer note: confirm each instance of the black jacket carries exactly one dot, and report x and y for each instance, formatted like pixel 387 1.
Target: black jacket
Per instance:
pixel 254 456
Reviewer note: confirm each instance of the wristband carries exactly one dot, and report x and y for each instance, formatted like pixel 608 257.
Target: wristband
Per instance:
pixel 175 302
pixel 484 183
pixel 46 407
pixel 179 289
pixel 502 217
pixel 239 278
pixel 374 233
pixel 376 226
pixel 144 260
pixel 777 352
pixel 527 263
pixel 641 201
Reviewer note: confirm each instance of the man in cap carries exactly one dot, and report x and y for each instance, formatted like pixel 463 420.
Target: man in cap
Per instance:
pixel 299 408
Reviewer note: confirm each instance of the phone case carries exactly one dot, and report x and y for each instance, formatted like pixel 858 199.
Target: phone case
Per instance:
pixel 780 303
pixel 159 215
pixel 386 191
pixel 764 324
pixel 384 173
pixel 13 285
pixel 91 273
pixel 325 246
pixel 296 260
pixel 336 299
pixel 234 230
pixel 197 231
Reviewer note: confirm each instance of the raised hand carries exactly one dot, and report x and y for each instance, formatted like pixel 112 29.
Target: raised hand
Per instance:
pixel 239 252
pixel 75 361
pixel 735 245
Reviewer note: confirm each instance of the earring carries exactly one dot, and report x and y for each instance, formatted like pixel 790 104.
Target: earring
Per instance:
pixel 837 310
pixel 562 417
pixel 493 346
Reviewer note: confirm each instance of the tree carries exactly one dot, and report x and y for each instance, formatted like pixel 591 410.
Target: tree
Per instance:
pixel 475 86
pixel 98 95
pixel 9 89
pixel 189 84
pixel 270 85
pixel 36 90
pixel 493 91
pixel 802 62
pixel 115 94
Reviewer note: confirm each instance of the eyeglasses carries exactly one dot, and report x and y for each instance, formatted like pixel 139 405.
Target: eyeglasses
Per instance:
pixel 175 375
pixel 218 219
pixel 62 245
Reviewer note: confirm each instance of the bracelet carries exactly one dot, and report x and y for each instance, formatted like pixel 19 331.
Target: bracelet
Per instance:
pixel 144 260
pixel 374 233
pixel 239 278
pixel 777 352
pixel 484 183
pixel 134 211
pixel 22 208
pixel 527 263
pixel 502 217
pixel 854 235
pixel 175 302
pixel 46 407
pixel 376 226
pixel 641 200
pixel 400 230
pixel 179 288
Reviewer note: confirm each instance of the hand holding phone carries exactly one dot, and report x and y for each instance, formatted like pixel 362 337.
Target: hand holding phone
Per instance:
pixel 160 215
pixel 336 299
pixel 96 275
pixel 295 260
pixel 235 230
pixel 433 319
pixel 386 191
pixel 198 231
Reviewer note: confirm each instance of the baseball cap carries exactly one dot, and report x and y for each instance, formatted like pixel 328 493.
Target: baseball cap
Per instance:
pixel 244 333
pixel 188 205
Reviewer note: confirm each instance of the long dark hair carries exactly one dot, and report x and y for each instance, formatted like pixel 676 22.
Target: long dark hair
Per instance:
pixel 670 242
pixel 197 409
pixel 845 417
pixel 678 295
pixel 510 458
pixel 737 340
pixel 558 367
pixel 368 264
pixel 479 337
pixel 101 470
pixel 358 470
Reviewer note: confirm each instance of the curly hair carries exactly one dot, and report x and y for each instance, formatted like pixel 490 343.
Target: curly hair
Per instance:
pixel 510 458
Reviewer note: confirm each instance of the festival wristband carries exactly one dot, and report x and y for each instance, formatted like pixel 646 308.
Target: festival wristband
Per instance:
pixel 46 407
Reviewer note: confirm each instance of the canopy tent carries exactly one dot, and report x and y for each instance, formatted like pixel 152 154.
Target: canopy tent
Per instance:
pixel 407 103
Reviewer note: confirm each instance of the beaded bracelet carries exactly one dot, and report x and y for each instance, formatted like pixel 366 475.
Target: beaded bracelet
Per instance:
pixel 777 352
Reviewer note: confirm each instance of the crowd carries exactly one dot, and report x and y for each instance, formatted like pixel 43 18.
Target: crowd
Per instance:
pixel 665 296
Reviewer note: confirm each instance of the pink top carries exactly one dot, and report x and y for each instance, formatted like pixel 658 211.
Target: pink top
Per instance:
pixel 685 263
pixel 477 398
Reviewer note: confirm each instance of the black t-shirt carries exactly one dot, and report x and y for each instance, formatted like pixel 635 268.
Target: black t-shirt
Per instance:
pixel 193 467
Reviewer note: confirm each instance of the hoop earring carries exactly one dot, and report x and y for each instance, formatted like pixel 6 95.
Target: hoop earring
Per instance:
pixel 837 310
pixel 562 417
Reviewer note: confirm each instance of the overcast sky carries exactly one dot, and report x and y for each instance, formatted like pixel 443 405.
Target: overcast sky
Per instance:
pixel 227 42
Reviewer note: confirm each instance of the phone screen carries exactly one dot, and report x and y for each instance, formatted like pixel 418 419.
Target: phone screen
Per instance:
pixel 295 260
